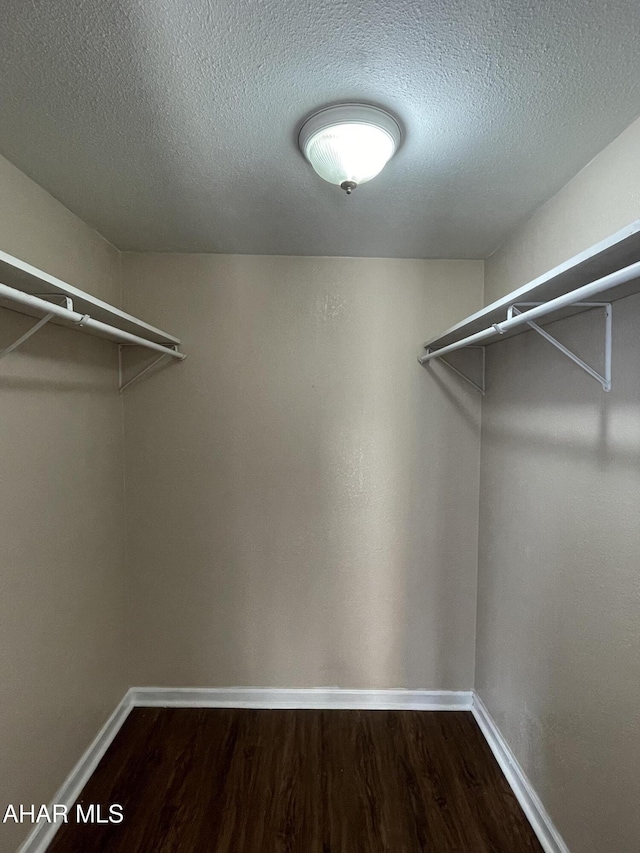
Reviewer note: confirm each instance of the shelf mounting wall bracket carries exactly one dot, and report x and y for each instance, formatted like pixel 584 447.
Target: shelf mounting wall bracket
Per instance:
pixel 64 300
pixel 26 336
pixel 605 380
pixel 122 385
pixel 481 388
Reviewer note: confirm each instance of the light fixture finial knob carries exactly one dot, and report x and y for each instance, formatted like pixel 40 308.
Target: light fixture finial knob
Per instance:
pixel 348 186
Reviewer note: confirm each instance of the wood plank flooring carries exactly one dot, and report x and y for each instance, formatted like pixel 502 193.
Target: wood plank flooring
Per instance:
pixel 241 781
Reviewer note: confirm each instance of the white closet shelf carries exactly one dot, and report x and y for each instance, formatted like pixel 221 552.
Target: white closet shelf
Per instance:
pixel 611 268
pixel 28 290
pixel 23 277
pixel 620 250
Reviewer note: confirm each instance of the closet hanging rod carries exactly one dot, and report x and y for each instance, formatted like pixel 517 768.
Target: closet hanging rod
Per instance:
pixel 83 320
pixel 581 294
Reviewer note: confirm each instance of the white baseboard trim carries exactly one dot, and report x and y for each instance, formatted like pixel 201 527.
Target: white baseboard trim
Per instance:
pixel 42 833
pixel 300 698
pixel 304 698
pixel 541 823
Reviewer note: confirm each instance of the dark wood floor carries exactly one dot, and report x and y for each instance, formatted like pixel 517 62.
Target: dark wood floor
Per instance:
pixel 231 781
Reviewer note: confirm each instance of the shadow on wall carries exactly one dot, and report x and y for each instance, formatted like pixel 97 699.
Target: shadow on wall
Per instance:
pixel 63 662
pixel 558 633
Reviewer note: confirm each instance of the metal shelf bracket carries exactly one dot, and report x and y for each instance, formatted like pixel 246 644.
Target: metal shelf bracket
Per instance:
pixel 67 303
pixel 605 381
pixel 35 328
pixel 482 387
pixel 122 385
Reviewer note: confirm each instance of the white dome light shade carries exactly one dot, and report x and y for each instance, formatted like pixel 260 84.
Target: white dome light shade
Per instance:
pixel 349 144
pixel 349 152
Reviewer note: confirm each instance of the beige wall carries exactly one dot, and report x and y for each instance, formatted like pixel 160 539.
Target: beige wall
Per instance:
pixel 301 494
pixel 62 596
pixel 558 646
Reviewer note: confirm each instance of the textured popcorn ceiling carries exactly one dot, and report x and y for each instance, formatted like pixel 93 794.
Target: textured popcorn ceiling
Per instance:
pixel 171 124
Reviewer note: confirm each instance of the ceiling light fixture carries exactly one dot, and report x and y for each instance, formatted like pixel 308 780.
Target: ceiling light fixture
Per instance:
pixel 349 144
